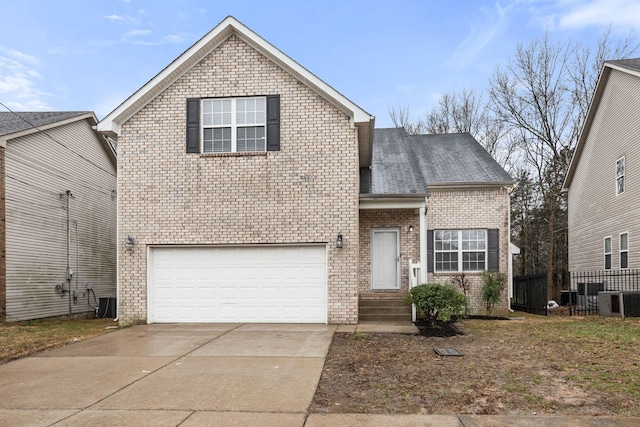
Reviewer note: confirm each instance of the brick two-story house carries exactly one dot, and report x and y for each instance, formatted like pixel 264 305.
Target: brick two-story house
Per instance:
pixel 248 191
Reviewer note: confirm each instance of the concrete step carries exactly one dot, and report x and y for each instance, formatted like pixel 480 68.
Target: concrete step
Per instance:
pixel 383 303
pixel 384 310
pixel 384 317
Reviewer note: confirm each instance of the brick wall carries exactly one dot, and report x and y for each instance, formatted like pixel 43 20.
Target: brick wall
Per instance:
pixel 399 219
pixel 305 193
pixel 472 209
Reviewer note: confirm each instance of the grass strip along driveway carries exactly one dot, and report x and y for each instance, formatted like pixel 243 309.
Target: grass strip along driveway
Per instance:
pixel 539 365
pixel 21 339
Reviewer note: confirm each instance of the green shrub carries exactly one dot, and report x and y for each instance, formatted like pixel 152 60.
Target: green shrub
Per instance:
pixel 438 302
pixel 494 284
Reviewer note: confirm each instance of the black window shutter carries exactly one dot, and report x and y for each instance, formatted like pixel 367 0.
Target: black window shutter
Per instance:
pixel 430 251
pixel 273 123
pixel 493 246
pixel 193 125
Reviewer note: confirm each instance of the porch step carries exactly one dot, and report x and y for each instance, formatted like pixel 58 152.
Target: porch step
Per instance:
pixel 387 310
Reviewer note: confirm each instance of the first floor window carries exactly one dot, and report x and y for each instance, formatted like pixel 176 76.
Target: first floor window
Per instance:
pixel 460 250
pixel 234 124
pixel 624 250
pixel 607 253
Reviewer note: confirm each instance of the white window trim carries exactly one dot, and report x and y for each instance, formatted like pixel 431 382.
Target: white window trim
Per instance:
pixel 460 251
pixel 623 176
pixel 605 253
pixel 233 125
pixel 620 250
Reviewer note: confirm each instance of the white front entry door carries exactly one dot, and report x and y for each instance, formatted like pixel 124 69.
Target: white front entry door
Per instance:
pixel 385 259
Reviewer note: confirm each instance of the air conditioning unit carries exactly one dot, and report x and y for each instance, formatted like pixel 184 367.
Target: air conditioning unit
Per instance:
pixel 619 303
pixel 609 303
pixel 588 295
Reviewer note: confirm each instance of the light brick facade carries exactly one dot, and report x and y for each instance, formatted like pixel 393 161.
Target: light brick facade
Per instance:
pixel 400 219
pixel 473 209
pixel 446 210
pixel 305 193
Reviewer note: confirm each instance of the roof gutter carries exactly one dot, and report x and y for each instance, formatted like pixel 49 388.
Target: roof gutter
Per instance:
pixel 469 185
pixel 393 201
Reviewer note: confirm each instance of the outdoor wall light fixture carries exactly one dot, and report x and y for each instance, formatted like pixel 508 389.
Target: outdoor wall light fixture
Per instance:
pixel 128 244
pixel 339 241
pixel 411 229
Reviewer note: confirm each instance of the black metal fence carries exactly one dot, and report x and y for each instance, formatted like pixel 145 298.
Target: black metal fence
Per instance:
pixel 584 287
pixel 530 294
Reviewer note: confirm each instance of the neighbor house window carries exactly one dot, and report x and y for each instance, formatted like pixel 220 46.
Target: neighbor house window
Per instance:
pixel 234 124
pixel 460 250
pixel 624 250
pixel 607 253
pixel 620 171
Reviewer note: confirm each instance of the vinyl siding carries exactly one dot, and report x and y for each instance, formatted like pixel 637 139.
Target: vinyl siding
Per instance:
pixel 39 171
pixel 595 211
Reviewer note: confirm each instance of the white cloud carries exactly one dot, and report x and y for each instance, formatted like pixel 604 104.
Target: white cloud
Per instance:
pixel 113 17
pixel 619 13
pixel 138 33
pixel 19 81
pixel 579 14
pixel 481 33
pixel 116 18
pixel 173 38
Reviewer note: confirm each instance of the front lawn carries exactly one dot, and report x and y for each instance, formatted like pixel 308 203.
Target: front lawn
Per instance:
pixel 540 365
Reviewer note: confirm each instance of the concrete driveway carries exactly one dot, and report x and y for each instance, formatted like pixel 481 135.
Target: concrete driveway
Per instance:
pixel 169 375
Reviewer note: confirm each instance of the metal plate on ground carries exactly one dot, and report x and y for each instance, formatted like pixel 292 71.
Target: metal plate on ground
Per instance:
pixel 447 352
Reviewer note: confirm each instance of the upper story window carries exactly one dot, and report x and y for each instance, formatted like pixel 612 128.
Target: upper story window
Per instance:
pixel 607 253
pixel 620 172
pixel 624 250
pixel 234 125
pixel 460 250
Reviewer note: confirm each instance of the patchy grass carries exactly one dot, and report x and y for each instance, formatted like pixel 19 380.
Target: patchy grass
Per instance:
pixel 21 339
pixel 543 365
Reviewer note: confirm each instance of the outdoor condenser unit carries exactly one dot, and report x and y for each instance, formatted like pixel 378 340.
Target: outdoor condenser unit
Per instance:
pixel 609 303
pixel 107 308
pixel 619 303
pixel 588 295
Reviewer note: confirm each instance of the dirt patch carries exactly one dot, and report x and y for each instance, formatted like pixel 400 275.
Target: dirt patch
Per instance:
pixel 508 367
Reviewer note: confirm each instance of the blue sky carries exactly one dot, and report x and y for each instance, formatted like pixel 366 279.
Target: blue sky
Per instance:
pixel 91 55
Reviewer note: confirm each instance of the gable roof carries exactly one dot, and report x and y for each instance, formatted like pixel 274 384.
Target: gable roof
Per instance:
pixel 15 124
pixel 112 123
pixel 411 164
pixel 629 66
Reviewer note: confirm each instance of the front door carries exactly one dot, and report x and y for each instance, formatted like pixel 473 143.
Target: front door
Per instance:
pixel 385 259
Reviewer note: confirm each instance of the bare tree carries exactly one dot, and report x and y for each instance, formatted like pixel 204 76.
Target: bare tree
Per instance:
pixel 401 119
pixel 465 111
pixel 542 96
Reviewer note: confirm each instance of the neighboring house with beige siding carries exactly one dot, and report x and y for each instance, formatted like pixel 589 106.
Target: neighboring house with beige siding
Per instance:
pixel 58 211
pixel 249 190
pixel 603 181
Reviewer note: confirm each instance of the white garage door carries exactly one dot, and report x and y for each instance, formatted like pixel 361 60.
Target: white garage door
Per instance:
pixel 268 284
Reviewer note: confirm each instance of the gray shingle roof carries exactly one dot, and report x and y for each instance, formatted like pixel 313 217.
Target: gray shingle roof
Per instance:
pixel 19 121
pixel 409 164
pixel 631 64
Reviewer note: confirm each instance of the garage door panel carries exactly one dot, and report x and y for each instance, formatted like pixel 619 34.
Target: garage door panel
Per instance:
pixel 238 284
